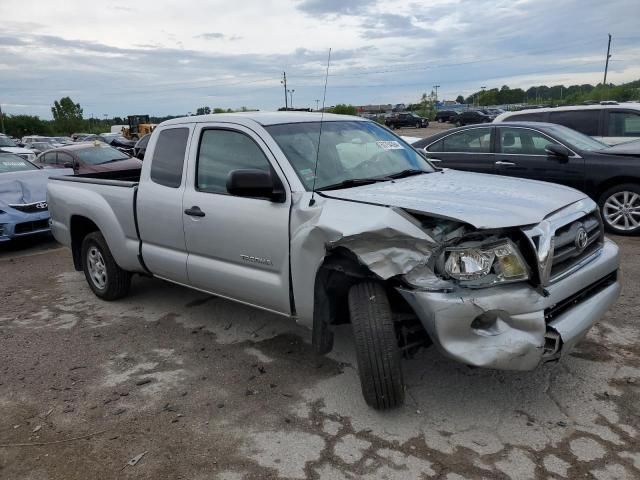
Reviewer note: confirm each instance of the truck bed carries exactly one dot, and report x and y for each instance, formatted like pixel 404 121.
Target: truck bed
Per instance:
pixel 118 178
pixel 106 200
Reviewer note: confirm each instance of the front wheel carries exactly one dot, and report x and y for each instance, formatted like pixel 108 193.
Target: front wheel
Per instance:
pixel 620 207
pixel 107 280
pixel 377 351
pixel 418 125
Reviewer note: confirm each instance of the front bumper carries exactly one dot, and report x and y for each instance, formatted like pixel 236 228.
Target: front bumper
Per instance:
pixel 25 225
pixel 516 327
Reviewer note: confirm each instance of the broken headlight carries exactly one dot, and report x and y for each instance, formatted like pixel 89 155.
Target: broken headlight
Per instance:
pixel 486 265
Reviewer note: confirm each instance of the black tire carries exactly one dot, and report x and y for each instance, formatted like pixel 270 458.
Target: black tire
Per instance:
pixel 440 120
pixel 459 123
pixel 115 282
pixel 418 125
pixel 377 352
pixel 618 224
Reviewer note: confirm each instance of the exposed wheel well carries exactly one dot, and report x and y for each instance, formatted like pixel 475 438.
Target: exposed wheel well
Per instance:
pixel 80 227
pixel 339 271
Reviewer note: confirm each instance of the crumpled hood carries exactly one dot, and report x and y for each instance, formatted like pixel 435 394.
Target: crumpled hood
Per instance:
pixel 481 200
pixel 27 186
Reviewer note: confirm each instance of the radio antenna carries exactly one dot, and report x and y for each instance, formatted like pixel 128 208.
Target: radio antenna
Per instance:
pixel 324 97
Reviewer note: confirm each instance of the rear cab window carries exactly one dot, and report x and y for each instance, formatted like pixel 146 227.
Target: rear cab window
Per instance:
pixel 167 163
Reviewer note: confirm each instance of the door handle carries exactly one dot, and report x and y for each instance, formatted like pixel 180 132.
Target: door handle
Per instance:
pixel 505 164
pixel 435 160
pixel 194 211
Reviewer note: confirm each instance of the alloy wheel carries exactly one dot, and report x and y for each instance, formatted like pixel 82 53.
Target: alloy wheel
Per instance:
pixel 621 210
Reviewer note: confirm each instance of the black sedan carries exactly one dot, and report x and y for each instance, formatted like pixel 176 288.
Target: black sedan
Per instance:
pixel 549 152
pixel 469 117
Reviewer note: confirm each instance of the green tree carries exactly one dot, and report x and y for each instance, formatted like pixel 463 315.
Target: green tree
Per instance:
pixel 20 125
pixel 343 109
pixel 67 116
pixel 460 99
pixel 203 111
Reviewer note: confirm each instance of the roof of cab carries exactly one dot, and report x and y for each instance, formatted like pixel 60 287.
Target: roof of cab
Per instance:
pixel 263 118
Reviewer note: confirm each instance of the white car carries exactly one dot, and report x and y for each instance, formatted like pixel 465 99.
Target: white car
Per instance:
pixel 609 122
pixel 8 145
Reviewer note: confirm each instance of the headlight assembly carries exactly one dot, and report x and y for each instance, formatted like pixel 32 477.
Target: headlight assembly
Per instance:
pixel 500 262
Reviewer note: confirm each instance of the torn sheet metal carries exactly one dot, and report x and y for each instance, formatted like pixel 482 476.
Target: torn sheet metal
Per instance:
pixel 386 253
pixel 388 241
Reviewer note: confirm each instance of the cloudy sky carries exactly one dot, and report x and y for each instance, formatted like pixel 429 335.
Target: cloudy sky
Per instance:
pixel 170 57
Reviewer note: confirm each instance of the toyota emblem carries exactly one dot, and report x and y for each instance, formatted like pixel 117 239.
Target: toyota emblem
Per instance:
pixel 581 239
pixel 41 205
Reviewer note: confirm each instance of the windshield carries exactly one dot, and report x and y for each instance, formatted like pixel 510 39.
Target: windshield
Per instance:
pixel 7 142
pixel 577 139
pixel 13 163
pixel 348 151
pixel 99 154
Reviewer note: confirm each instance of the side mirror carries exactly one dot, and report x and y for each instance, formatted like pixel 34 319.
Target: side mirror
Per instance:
pixel 67 165
pixel 557 152
pixel 254 183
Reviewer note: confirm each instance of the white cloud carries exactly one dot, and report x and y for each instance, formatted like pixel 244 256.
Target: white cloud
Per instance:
pixel 166 57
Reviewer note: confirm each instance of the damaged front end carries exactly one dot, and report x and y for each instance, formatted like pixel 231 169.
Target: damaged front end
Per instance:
pixel 483 296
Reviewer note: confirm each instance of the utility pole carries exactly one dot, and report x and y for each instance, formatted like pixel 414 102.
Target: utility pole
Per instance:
pixel 284 82
pixel 436 87
pixel 606 65
pixel 482 89
pixel 1 119
pixel 317 104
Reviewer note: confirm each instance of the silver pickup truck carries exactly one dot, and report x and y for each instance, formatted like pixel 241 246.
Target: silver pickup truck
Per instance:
pixel 341 221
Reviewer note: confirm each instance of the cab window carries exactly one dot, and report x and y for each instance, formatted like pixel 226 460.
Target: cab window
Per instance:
pixel 168 157
pixel 222 151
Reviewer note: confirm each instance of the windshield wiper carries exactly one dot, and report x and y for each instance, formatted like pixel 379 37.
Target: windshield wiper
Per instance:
pixel 353 182
pixel 406 173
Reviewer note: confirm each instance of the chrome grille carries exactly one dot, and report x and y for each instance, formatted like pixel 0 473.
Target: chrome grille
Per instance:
pixel 554 241
pixel 567 252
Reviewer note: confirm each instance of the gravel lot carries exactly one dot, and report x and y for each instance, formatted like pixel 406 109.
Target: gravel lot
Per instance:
pixel 209 389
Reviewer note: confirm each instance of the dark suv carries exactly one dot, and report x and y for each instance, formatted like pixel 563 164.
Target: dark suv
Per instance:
pixel 410 119
pixel 469 117
pixel 446 115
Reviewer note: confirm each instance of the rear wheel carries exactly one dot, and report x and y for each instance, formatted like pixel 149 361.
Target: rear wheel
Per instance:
pixel 620 207
pixel 377 350
pixel 107 280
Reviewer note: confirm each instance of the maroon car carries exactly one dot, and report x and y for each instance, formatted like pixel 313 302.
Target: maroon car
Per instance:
pixel 89 157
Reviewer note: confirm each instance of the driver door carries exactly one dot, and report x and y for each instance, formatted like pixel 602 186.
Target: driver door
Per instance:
pixel 238 247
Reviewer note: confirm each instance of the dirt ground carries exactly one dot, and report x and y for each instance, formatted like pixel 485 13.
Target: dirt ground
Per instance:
pixel 196 387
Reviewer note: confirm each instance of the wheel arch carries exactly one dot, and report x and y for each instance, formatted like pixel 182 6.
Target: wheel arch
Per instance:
pixel 80 227
pixel 612 182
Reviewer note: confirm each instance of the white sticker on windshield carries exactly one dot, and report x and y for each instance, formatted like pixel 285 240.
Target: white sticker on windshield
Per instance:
pixel 391 145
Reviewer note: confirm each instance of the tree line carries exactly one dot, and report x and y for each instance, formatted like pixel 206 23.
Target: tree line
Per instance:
pixel 555 95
